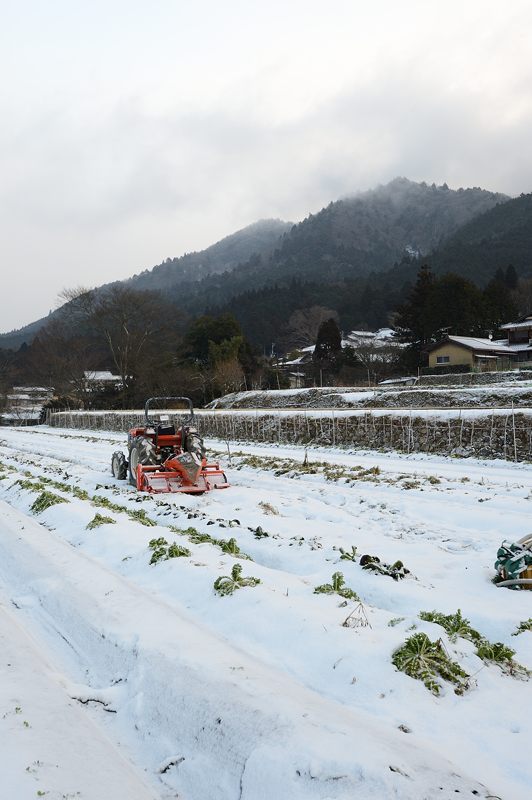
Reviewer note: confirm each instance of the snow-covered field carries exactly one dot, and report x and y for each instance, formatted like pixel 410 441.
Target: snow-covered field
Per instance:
pixel 123 679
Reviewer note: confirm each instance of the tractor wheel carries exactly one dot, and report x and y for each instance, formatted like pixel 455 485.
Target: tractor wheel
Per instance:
pixel 141 451
pixel 119 465
pixel 194 444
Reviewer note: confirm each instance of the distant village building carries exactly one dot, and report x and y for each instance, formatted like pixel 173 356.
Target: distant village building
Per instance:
pixel 469 351
pixel 25 405
pixel 486 354
pixel 519 335
pixel 370 346
pixel 99 380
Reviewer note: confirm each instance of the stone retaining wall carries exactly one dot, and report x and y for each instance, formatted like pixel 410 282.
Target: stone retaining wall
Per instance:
pixel 505 435
pixel 474 378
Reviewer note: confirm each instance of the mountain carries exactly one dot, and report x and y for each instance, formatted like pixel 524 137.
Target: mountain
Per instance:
pixel 254 242
pixel 496 238
pixel 353 237
pixel 347 241
pixel 372 230
pixel 16 338
pixel 257 240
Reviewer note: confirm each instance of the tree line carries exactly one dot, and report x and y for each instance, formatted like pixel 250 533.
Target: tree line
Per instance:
pixel 149 344
pixel 155 346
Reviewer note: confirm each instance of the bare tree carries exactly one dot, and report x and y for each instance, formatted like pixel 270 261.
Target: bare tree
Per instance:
pixel 228 375
pixel 59 358
pixel 377 359
pixel 303 325
pixel 136 326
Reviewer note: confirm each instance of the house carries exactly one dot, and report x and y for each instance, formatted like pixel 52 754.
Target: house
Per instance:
pixel 370 346
pixel 519 337
pixel 25 405
pixel 99 380
pixel 486 354
pixel 470 351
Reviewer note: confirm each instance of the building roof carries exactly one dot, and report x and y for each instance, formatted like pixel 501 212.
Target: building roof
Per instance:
pixel 102 375
pixel 524 322
pixel 474 343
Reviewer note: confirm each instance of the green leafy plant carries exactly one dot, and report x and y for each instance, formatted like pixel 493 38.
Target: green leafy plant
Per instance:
pixel 523 626
pixel 346 556
pixel 455 625
pixel 395 621
pixel 397 570
pixel 490 652
pixel 427 661
pixel 162 551
pixel 337 587
pixel 99 500
pixel 81 494
pixel 177 551
pixel 503 656
pixel 230 546
pixel 46 500
pixel 225 584
pixel 100 520
pixel 140 516
pixel 199 538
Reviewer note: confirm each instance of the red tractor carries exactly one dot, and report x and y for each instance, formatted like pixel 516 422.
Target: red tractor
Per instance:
pixel 165 459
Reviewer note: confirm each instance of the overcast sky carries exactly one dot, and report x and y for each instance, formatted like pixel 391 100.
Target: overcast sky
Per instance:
pixel 132 131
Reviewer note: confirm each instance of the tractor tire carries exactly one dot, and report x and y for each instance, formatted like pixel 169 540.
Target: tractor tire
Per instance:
pixel 194 444
pixel 141 451
pixel 119 465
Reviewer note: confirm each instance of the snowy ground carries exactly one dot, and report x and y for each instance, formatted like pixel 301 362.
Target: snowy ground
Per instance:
pixel 141 677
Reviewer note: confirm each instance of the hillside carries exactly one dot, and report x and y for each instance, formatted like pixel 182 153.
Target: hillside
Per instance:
pixel 496 238
pixel 347 241
pixel 255 241
pixel 362 234
pixel 12 340
pixel 372 230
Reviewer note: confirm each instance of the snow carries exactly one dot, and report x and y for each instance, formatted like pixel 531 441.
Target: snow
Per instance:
pixel 39 717
pixel 479 344
pixel 423 413
pixel 517 325
pixel 101 376
pixel 263 694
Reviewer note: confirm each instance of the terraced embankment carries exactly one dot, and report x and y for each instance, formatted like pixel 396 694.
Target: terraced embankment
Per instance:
pixel 486 433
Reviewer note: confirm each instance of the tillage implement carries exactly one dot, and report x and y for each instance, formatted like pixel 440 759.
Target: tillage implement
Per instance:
pixel 163 458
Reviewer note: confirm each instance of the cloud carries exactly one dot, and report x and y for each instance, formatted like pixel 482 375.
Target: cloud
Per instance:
pixel 121 153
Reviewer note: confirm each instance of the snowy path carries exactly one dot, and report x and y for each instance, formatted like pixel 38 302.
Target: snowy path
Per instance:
pixel 49 746
pixel 308 708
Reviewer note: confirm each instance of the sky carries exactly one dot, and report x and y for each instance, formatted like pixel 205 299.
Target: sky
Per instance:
pixel 133 131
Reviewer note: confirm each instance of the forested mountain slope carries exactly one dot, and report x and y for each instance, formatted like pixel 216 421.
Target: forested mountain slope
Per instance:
pixel 500 236
pixel 340 251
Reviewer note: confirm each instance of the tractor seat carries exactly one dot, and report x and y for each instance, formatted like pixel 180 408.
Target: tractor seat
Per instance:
pixel 166 430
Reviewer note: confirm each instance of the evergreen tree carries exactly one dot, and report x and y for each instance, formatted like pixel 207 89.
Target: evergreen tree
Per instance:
pixel 327 354
pixel 498 303
pixel 328 341
pixel 510 277
pixel 415 322
pixel 457 307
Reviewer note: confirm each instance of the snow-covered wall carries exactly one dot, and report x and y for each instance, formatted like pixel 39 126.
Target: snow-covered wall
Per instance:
pixel 487 397
pixel 495 433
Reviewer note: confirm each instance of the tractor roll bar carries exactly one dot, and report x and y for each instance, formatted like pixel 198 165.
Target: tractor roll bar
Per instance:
pixel 152 399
